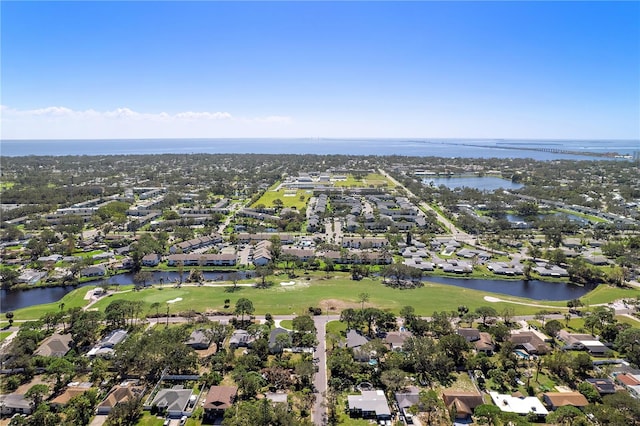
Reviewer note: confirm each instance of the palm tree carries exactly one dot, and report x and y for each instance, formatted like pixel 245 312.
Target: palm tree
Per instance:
pixel 156 306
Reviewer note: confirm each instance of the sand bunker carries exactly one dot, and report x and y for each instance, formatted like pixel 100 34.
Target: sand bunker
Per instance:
pixel 177 299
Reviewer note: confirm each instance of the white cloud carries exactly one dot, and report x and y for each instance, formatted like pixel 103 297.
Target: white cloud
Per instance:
pixel 59 122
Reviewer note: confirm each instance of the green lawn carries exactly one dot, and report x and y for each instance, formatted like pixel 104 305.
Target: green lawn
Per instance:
pixel 332 294
pixel 374 179
pixel 4 335
pixel 270 195
pixel 288 324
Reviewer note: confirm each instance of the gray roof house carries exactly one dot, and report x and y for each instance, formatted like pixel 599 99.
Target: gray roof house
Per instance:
pixel 273 346
pixel 240 338
pixel 172 401
pixel 405 400
pixel 355 339
pixel 56 345
pixel 199 340
pixel 14 403
pixel 369 405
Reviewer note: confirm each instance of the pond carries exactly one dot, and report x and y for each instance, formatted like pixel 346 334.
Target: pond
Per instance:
pixel 536 290
pixel 481 183
pixel 533 289
pixel 571 217
pixel 11 300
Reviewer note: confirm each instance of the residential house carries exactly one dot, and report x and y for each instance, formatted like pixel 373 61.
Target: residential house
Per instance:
pixel 355 339
pixel 407 399
pixel 72 391
pixel 219 399
pixel 104 348
pixel 470 334
pixel 369 405
pixel 56 345
pixel 262 253
pixel 94 271
pixel 223 259
pixel 120 394
pixel 14 403
pixel 172 401
pixel 517 403
pixel 631 382
pixel 274 347
pixel 530 342
pixel 199 339
pixel 395 339
pixel 485 344
pixel 152 259
pixel 583 342
pixel 554 400
pixel 240 339
pixel 603 386
pixel 461 404
pixel 364 242
pixel 277 398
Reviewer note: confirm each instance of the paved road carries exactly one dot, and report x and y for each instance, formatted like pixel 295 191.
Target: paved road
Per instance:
pixel 318 414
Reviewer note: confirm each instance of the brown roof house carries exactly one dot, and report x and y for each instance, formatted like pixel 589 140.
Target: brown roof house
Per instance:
pixel 395 339
pixel 555 400
pixel 56 345
pixel 461 404
pixel 485 344
pixel 219 398
pixel 530 342
pixel 120 394
pixel 63 399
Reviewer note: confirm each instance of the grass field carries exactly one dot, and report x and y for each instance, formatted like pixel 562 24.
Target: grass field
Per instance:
pixel 374 179
pixel 268 197
pixel 4 335
pixel 7 185
pixel 332 295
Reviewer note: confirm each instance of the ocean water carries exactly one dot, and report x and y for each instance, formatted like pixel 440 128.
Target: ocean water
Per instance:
pixel 463 148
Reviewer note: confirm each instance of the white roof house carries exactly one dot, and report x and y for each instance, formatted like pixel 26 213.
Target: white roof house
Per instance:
pixel 518 404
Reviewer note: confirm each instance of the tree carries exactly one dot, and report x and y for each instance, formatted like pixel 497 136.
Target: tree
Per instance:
pixel 486 312
pixel 363 298
pixel 244 306
pixel 628 343
pixel 565 415
pixel 62 370
pixel 462 311
pixel 455 346
pixel 486 414
pixel 394 379
pixel 79 410
pixel 217 332
pixel 428 403
pixel 589 391
pixel 9 316
pixel 125 414
pixel 507 314
pixel 581 364
pixel 541 316
pixel 553 327
pixel 36 394
pixel 156 306
pixel 263 272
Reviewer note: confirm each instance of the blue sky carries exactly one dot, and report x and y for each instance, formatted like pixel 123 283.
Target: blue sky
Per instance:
pixel 320 69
